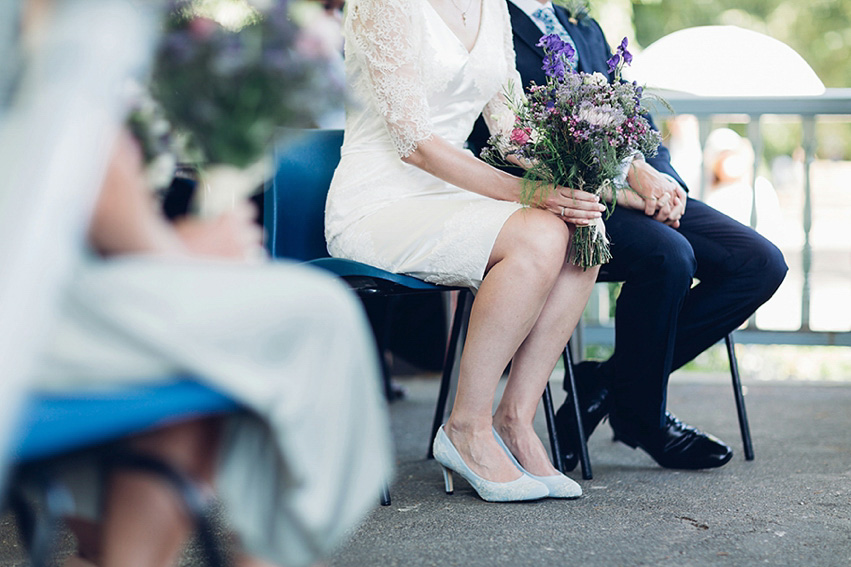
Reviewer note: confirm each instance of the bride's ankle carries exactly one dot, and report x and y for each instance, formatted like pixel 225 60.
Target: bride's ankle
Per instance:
pixel 467 427
pixel 512 426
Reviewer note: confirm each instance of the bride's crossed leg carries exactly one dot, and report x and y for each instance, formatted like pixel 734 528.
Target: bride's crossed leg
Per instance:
pixel 526 308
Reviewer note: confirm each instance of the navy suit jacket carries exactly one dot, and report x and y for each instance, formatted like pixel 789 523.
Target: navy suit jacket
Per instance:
pixel 594 53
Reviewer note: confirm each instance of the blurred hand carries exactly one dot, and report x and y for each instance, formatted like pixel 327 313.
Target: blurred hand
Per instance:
pixel 233 235
pixel 655 193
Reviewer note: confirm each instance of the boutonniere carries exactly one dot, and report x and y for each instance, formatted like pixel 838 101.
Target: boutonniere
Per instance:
pixel 578 9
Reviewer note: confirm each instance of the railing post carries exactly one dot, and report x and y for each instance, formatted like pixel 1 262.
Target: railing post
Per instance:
pixel 755 137
pixel 704 127
pixel 809 143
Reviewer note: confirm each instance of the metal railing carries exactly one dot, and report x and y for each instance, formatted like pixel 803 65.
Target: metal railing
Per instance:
pixel 597 329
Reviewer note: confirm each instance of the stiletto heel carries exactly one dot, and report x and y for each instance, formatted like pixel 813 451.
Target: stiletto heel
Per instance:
pixel 558 485
pixel 523 488
pixel 447 480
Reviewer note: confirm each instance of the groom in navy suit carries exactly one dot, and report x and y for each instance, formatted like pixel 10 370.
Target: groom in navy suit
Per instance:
pixel 661 240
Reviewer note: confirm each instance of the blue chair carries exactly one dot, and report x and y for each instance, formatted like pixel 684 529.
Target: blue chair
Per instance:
pixel 294 219
pixel 55 426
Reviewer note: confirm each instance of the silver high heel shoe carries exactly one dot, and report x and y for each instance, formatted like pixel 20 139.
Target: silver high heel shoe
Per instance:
pixel 523 488
pixel 558 485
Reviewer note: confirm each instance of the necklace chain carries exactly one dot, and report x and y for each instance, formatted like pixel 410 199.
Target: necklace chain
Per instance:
pixel 463 10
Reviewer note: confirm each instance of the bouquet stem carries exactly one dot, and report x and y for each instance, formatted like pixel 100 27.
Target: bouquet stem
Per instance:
pixel 589 248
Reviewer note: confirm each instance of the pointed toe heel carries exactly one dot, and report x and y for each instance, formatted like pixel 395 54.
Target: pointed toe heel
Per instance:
pixel 558 485
pixel 521 489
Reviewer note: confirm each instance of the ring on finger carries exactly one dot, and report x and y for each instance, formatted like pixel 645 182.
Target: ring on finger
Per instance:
pixel 561 214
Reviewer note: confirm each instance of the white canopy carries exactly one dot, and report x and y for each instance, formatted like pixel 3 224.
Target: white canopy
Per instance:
pixel 724 61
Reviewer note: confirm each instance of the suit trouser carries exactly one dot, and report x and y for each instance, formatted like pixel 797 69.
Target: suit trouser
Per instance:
pixel 661 321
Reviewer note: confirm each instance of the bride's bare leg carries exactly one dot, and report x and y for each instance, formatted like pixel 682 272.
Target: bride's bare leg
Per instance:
pixel 525 263
pixel 533 364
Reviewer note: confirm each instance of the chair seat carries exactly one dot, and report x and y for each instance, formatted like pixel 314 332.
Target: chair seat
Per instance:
pixel 51 423
pixel 366 279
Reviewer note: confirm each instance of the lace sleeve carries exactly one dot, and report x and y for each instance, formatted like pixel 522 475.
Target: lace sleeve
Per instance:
pixel 387 40
pixel 497 113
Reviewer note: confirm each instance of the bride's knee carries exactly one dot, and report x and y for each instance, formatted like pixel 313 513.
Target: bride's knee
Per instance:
pixel 539 238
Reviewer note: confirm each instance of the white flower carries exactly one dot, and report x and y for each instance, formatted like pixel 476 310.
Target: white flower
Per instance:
pixel 595 79
pixel 604 116
pixel 596 116
pixel 160 171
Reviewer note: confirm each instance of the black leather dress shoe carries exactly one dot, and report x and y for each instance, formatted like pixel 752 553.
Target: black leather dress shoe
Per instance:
pixel 674 446
pixel 593 405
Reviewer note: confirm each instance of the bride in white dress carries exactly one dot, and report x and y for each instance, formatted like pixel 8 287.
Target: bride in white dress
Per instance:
pixel 407 197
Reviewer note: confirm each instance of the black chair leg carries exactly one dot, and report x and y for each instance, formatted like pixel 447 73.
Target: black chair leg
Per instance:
pixel 448 366
pixel 385 494
pixel 558 457
pixel 581 444
pixel 740 398
pixel 39 530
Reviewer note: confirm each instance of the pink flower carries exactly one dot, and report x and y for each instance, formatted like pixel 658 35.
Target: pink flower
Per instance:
pixel 201 28
pixel 521 136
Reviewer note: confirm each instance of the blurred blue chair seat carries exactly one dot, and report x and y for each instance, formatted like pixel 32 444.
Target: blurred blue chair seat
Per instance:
pixel 55 426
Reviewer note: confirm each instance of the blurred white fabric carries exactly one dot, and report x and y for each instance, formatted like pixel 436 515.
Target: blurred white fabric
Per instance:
pixel 57 124
pixel 724 61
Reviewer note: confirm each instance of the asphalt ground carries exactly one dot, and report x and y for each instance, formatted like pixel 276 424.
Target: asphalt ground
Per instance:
pixel 790 506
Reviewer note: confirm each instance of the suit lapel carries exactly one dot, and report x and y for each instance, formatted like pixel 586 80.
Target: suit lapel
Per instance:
pixel 524 28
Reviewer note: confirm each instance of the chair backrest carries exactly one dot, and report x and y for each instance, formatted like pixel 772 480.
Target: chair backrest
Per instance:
pixel 294 202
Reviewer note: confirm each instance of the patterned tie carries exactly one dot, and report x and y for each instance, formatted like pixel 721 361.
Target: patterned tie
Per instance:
pixel 547 16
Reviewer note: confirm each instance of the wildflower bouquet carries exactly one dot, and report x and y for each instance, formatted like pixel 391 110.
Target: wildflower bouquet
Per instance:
pixel 229 89
pixel 580 131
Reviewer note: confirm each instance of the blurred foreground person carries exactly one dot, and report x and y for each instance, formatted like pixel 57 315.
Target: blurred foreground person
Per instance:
pixel 150 300
pixel 285 341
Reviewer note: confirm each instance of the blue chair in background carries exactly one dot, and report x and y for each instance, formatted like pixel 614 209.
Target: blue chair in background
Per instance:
pixel 294 219
pixel 54 427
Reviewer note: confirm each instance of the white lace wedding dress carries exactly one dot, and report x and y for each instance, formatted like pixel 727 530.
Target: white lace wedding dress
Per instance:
pixel 411 78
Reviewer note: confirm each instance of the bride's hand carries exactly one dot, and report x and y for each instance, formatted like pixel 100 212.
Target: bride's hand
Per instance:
pixel 574 206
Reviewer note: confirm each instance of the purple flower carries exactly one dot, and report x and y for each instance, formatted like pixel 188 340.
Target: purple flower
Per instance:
pixel 554 67
pixel 621 57
pixel 558 56
pixel 623 52
pixel 613 62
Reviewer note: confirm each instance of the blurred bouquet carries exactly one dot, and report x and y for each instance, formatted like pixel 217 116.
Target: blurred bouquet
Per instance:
pixel 229 90
pixel 580 131
pixel 154 133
